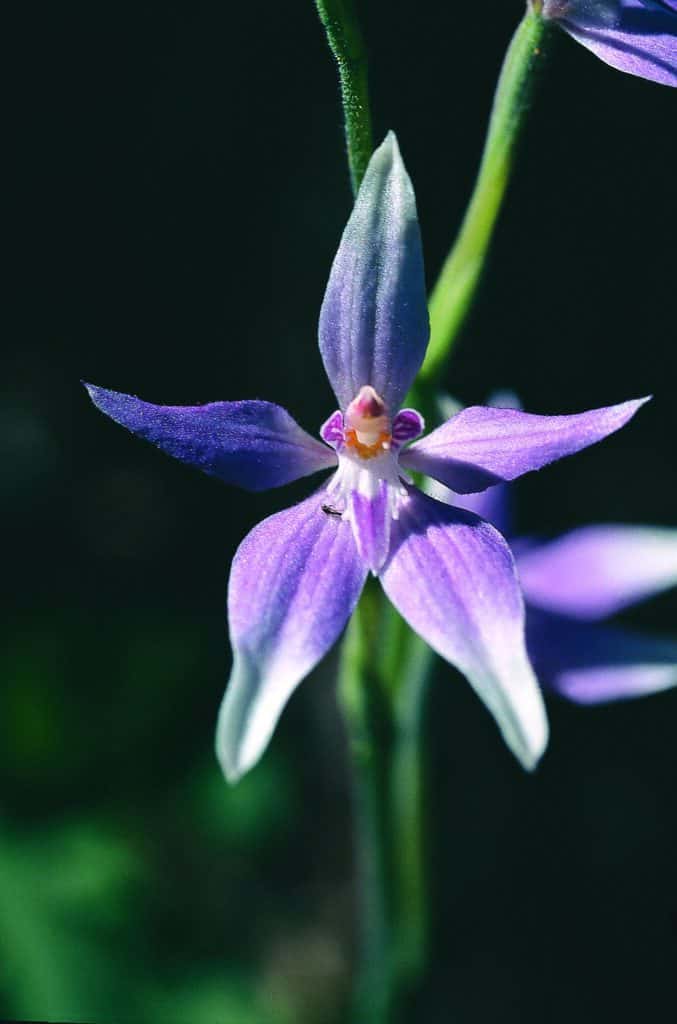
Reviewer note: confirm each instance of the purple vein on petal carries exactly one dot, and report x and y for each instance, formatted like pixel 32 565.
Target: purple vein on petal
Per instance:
pixel 374 319
pixel 635 36
pixel 295 581
pixel 451 576
pixel 482 446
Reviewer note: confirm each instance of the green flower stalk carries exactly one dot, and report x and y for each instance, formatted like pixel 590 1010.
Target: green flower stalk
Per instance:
pixel 457 284
pixel 346 42
pixel 384 664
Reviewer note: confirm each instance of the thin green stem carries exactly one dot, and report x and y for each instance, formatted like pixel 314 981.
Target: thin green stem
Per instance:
pixel 346 42
pixel 384 666
pixel 384 729
pixel 408 813
pixel 360 696
pixel 459 278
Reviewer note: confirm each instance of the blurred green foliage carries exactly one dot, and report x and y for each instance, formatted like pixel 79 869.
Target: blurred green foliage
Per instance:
pixel 126 894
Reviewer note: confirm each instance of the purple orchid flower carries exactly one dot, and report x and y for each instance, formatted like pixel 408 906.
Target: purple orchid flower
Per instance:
pixel 297 577
pixel 576 581
pixel 571 585
pixel 636 36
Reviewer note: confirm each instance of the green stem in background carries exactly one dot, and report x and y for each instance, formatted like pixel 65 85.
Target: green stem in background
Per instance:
pixel 382 709
pixel 455 289
pixel 360 697
pixel 408 811
pixel 449 303
pixel 346 42
pixel 382 722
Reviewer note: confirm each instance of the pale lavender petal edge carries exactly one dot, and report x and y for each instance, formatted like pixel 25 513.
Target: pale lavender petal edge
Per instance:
pixel 481 446
pixel 595 571
pixel 294 582
pixel 452 577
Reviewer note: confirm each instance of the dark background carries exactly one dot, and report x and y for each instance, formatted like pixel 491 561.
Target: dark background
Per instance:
pixel 179 187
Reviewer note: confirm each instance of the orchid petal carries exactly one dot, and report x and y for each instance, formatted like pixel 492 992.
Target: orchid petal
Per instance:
pixel 595 571
pixel 370 517
pixel 635 36
pixel 452 577
pixel 331 430
pixel 294 583
pixel 374 319
pixel 481 446
pixel 407 425
pixel 495 504
pixel 592 664
pixel 255 445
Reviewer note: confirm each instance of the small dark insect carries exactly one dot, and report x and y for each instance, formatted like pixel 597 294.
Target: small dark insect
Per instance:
pixel 329 510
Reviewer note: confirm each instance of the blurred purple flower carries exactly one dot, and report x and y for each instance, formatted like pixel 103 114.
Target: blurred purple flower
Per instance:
pixel 573 583
pixel 636 36
pixel 297 576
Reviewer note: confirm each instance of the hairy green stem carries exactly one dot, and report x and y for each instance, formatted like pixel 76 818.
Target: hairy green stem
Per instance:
pixel 457 284
pixel 346 42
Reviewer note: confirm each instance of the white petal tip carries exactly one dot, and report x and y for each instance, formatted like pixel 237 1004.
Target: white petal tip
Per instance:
pixel 234 763
pixel 387 158
pixel 531 762
pixel 530 755
pixel 232 771
pixel 232 775
pixel 528 733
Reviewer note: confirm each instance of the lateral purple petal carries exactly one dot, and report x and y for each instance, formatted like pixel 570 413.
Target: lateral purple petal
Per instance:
pixel 598 570
pixel 495 504
pixel 374 318
pixel 452 577
pixel 481 446
pixel 331 430
pixel 407 425
pixel 294 583
pixel 592 664
pixel 255 445
pixel 635 36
